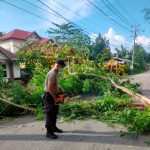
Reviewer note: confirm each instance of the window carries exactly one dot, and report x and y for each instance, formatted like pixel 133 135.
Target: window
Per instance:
pixel 5 70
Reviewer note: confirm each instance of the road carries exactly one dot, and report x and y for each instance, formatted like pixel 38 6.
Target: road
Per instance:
pixel 27 134
pixel 144 80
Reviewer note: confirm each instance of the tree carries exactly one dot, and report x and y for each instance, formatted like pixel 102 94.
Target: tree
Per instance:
pixel 146 12
pixel 100 49
pixel 122 53
pixel 70 35
pixel 139 57
pixel 31 54
pixel 147 58
pixel 1 33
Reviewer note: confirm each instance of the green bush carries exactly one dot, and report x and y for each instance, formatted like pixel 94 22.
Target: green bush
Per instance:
pixel 36 85
pixel 141 122
pixel 71 85
pixel 15 93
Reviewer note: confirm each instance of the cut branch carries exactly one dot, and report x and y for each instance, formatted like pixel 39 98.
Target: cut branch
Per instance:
pixel 16 105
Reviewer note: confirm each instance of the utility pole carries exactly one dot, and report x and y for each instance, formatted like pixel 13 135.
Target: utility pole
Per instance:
pixel 135 31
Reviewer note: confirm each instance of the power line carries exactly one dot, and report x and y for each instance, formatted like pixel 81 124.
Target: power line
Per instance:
pixel 113 11
pixel 41 8
pixel 101 11
pixel 77 14
pixel 90 21
pixel 39 16
pixel 45 10
pixel 26 11
pixel 85 29
pixel 61 11
pixel 117 12
pixel 35 14
pixel 124 10
pixel 31 12
pixel 68 19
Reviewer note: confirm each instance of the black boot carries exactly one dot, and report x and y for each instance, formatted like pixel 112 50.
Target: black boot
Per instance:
pixel 55 129
pixel 51 134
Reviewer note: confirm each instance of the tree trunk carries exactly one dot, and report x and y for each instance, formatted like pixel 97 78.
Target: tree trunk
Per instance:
pixel 16 105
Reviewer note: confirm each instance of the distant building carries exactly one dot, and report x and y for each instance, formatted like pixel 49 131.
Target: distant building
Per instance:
pixel 15 39
pixel 10 43
pixel 9 63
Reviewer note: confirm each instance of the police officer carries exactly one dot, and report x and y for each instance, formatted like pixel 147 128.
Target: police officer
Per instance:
pixel 50 99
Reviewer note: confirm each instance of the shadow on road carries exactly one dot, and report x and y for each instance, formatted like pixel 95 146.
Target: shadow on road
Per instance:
pixel 81 136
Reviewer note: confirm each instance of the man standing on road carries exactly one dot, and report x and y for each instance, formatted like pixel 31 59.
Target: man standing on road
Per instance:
pixel 51 105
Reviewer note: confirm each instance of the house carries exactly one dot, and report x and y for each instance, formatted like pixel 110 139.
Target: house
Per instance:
pixel 116 64
pixel 9 63
pixel 10 43
pixel 15 39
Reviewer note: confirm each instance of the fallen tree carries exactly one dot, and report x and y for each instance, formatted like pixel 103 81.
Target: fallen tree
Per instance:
pixel 144 100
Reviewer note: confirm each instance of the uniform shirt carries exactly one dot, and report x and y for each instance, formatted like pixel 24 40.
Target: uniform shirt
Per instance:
pixel 52 76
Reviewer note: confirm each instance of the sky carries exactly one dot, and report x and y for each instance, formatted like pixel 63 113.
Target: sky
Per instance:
pixel 114 19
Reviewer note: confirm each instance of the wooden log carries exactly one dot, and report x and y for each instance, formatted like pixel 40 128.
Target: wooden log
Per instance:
pixel 70 99
pixel 144 100
pixel 16 105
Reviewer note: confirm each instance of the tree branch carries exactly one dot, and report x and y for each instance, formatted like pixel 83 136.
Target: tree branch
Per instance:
pixel 16 105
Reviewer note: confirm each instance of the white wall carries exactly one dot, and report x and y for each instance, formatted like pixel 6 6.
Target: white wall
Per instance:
pixel 12 45
pixel 17 44
pixel 8 44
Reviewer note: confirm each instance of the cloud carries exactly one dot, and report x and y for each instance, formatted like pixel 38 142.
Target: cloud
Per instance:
pixel 93 36
pixel 144 41
pixel 80 8
pixel 115 39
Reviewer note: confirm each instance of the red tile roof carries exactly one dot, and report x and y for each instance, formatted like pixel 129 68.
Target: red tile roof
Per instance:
pixel 17 34
pixel 8 54
pixel 44 40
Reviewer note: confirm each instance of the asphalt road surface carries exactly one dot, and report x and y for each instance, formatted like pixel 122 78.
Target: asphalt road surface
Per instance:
pixel 144 80
pixel 24 133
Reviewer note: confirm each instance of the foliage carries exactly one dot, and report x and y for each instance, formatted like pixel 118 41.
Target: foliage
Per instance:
pixel 146 12
pixel 69 34
pixel 1 33
pixel 30 55
pixel 107 108
pixel 134 87
pixel 140 55
pixel 39 113
pixel 99 50
pixel 71 85
pixel 135 120
pixel 26 96
pixel 122 53
pixel 36 85
pixel 15 93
